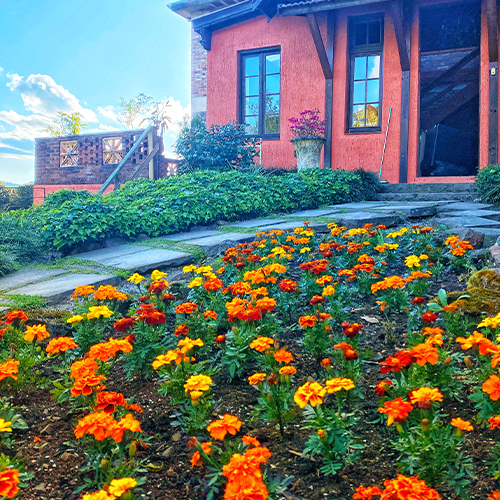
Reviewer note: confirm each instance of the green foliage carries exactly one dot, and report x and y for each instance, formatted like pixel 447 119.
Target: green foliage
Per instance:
pixel 13 198
pixel 221 147
pixel 57 199
pixel 7 261
pixel 175 204
pixel 66 124
pixel 488 184
pixel 26 302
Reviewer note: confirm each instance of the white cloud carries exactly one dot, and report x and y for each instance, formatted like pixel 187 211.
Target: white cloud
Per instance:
pixel 101 128
pixel 13 156
pixel 1 69
pixel 176 112
pixel 42 95
pixel 24 126
pixel 108 112
pixel 8 146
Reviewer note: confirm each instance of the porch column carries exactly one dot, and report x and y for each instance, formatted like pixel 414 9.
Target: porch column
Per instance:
pixel 326 60
pixel 492 19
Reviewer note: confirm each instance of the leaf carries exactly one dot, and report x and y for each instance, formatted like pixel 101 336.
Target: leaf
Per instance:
pixel 370 319
pixel 442 297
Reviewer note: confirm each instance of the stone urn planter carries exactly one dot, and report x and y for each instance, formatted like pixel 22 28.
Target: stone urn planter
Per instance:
pixel 308 151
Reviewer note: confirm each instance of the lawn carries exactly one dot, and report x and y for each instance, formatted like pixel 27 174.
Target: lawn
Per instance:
pixel 298 366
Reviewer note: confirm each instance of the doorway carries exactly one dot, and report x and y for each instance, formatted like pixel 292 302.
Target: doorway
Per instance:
pixel 450 36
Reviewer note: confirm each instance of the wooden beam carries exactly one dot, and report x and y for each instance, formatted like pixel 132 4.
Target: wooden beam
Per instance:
pixel 405 125
pixel 397 18
pixel 330 41
pixel 146 161
pixel 492 19
pixel 320 46
pixel 459 99
pixel 431 99
pixel 300 10
pixel 493 114
pixel 451 71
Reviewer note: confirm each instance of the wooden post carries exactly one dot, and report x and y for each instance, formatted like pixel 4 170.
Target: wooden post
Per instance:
pixel 493 114
pixel 152 161
pixel 330 38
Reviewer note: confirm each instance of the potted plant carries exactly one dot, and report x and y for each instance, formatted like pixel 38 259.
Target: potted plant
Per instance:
pixel 309 132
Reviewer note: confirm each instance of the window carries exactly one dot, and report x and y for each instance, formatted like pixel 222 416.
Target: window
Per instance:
pixel 366 41
pixel 68 153
pixel 112 150
pixel 260 92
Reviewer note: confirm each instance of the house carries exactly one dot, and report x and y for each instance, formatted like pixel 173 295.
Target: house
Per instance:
pixel 430 66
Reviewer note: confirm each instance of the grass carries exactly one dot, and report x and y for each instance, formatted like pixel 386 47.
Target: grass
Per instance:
pixel 25 302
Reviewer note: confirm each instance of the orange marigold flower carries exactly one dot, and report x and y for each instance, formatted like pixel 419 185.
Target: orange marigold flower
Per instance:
pixel 494 495
pixel 307 321
pixel 326 362
pixel 492 387
pixel 107 401
pixel 196 385
pixel 220 339
pixel 38 332
pixel 196 459
pixel 212 285
pixel 9 479
pixel 416 301
pixel 109 292
pixel 83 367
pixel 409 488
pixel 250 440
pixel 12 316
pixel 256 378
pixel 261 344
pixel 463 425
pixel 186 308
pixel 396 410
pixel 134 407
pixel 287 370
pixel 424 396
pixel 82 291
pixel 396 363
pixel 425 353
pixel 381 388
pixel 186 344
pixel 210 315
pixel 495 422
pixel 367 493
pixel 158 287
pixel 310 393
pixel 124 324
pixel 107 350
pixel 182 329
pixel 229 424
pixel 429 317
pixel 389 282
pixel 288 286
pixel 84 386
pixel 337 384
pixel 283 356
pixel 8 369
pixel 265 304
pixel 127 423
pixel 118 487
pixel 97 424
pixel 351 330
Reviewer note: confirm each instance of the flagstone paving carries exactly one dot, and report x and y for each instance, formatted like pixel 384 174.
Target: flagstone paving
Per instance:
pixel 49 283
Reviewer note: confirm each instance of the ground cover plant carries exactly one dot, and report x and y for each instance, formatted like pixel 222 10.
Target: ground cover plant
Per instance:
pixel 296 366
pixel 173 204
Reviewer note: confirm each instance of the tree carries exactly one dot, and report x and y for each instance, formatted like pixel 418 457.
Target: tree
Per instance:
pixel 66 124
pixel 133 109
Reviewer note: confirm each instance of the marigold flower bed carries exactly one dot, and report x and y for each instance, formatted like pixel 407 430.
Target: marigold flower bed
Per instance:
pixel 295 366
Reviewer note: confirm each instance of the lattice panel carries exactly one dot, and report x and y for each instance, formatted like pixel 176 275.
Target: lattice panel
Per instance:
pixel 68 153
pixel 112 150
pixel 172 169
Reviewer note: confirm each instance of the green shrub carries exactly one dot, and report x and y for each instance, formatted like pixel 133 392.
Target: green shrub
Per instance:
pixel 7 261
pixel 176 203
pixel 221 147
pixel 15 198
pixel 55 200
pixel 488 184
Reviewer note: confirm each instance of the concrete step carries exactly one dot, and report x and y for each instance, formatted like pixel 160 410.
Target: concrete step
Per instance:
pixel 414 196
pixel 440 187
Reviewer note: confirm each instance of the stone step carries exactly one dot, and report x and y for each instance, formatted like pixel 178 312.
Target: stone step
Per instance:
pixel 257 223
pixel 27 277
pixel 359 219
pixel 137 258
pixel 439 197
pixel 409 210
pixel 461 206
pixel 466 221
pixel 438 187
pixel 61 288
pixel 487 214
pixel 220 241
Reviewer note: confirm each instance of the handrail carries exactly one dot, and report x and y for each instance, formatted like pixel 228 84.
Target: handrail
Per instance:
pixel 116 171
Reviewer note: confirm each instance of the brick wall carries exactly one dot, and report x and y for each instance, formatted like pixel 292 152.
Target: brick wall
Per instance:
pixel 198 77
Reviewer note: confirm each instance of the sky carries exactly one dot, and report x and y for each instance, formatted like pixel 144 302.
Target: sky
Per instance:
pixel 83 56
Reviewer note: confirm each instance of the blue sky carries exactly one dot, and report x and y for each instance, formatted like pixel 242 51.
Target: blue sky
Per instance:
pixel 74 55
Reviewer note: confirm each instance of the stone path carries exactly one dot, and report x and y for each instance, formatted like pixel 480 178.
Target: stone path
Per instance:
pixel 480 221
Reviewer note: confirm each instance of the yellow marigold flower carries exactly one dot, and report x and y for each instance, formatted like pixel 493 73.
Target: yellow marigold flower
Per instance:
pixel 305 250
pixel 82 291
pixel 76 318
pixel 157 275
pixel 328 291
pixel 310 393
pixel 288 370
pixel 204 269
pixel 189 269
pixel 256 378
pixel 196 282
pixel 490 322
pixel 98 495
pixel 412 261
pixel 38 332
pixel 118 487
pixel 196 385
pixel 136 278
pixel 463 425
pixel 187 344
pixel 5 426
pixel 95 312
pixel 424 396
pixel 278 251
pixel 337 384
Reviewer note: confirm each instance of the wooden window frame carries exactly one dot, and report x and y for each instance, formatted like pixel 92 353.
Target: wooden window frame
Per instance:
pixel 262 53
pixel 364 50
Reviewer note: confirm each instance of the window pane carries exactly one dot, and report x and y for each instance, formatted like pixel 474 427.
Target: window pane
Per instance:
pixel 273 63
pixel 360 68
pixel 373 91
pixel 252 85
pixel 359 92
pixel 272 124
pixel 272 104
pixel 360 34
pixel 252 106
pixel 374 67
pixel 372 115
pixel 358 116
pixel 251 66
pixel 252 125
pixel 273 84
pixel 374 32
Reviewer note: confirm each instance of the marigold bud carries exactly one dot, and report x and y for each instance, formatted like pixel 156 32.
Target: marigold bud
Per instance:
pixel 104 464
pixel 132 450
pixel 426 424
pixel 447 361
pixel 235 329
pixel 321 433
pixel 468 363
pixel 271 380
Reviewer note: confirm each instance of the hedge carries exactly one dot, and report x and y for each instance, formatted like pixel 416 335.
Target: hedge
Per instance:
pixel 177 203
pixel 488 184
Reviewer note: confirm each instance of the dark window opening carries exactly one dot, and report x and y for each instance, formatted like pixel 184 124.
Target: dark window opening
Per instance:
pixel 260 73
pixel 366 36
pixel 449 89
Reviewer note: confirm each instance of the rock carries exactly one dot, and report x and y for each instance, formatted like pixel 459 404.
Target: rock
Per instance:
pixel 168 452
pixel 473 237
pixel 40 487
pixel 66 456
pixel 114 242
pixel 495 254
pixel 88 246
pixel 142 237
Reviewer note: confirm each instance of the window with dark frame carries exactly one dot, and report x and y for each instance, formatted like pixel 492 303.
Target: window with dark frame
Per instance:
pixel 366 43
pixel 260 92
